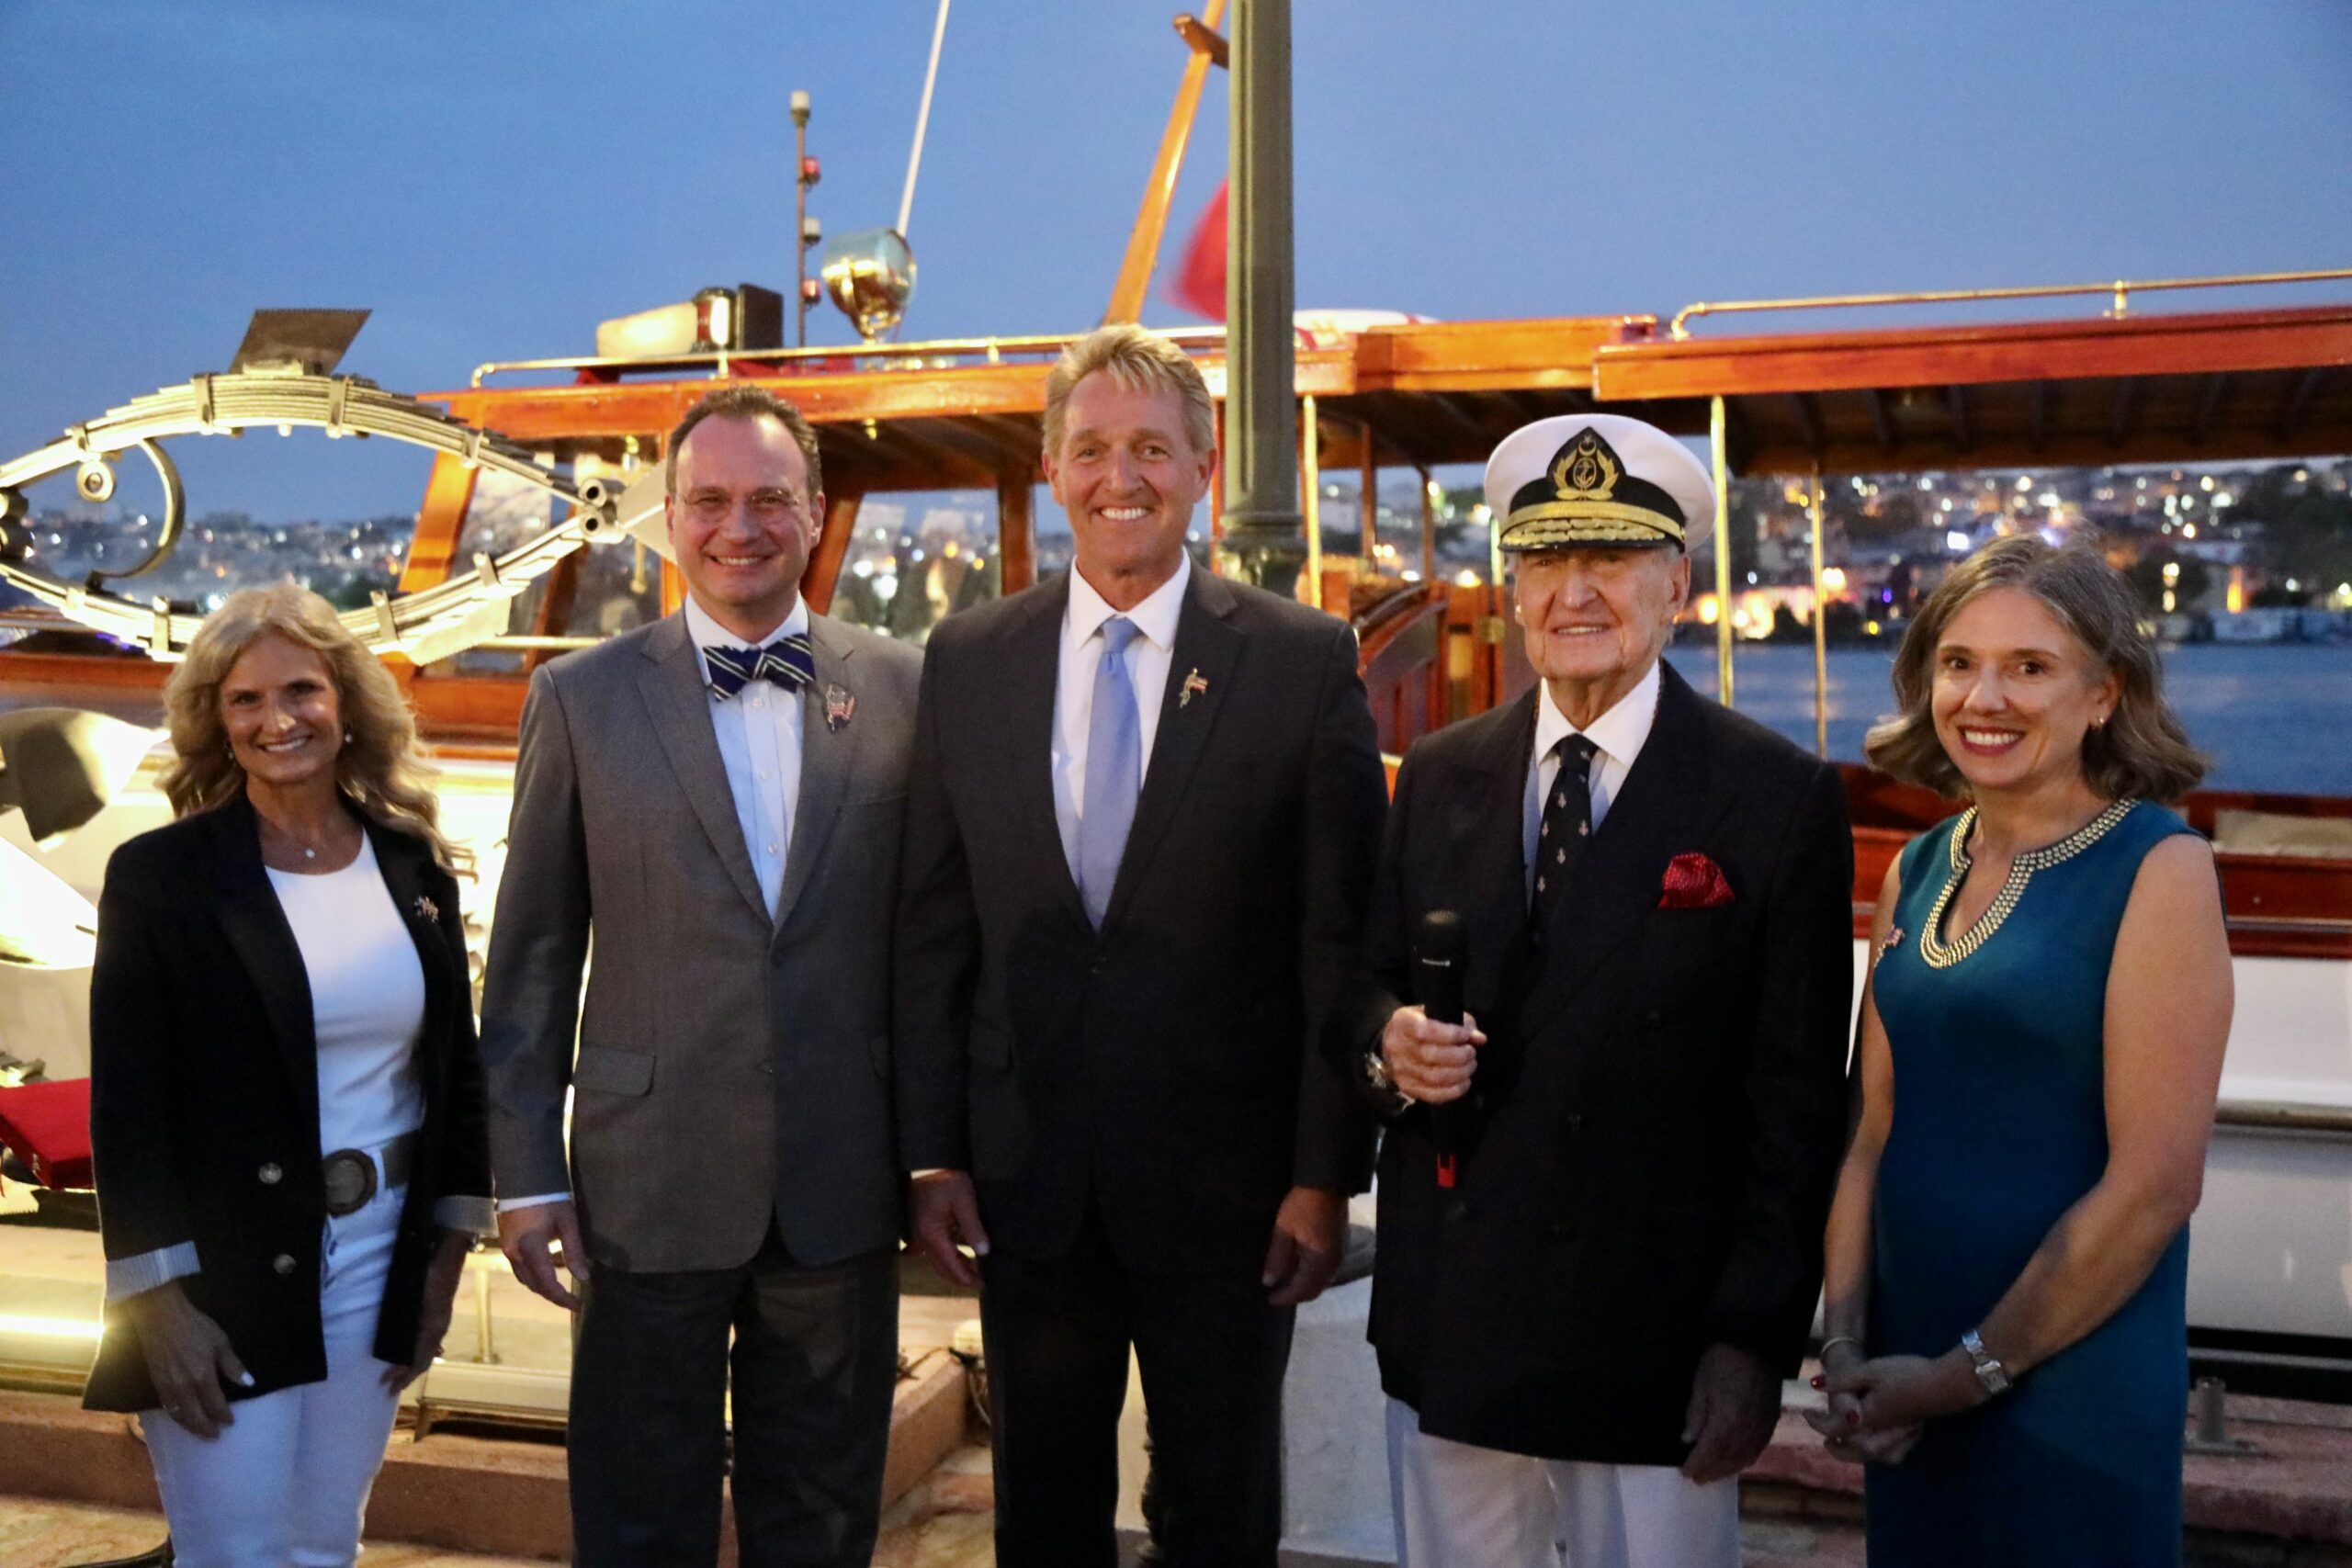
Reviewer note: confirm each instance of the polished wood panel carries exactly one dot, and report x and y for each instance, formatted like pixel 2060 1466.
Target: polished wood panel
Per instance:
pixel 554 614
pixel 1465 355
pixel 448 491
pixel 824 568
pixel 1948 355
pixel 1016 532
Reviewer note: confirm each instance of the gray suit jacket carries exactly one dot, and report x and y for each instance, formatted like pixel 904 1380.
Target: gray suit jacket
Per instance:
pixel 729 1067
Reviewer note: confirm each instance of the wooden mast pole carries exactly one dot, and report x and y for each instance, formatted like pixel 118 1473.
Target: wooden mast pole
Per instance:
pixel 1151 221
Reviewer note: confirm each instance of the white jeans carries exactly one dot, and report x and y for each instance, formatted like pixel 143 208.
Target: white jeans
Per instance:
pixel 286 1485
pixel 1458 1506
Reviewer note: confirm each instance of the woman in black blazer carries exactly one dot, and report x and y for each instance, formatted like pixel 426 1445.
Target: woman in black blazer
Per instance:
pixel 287 1104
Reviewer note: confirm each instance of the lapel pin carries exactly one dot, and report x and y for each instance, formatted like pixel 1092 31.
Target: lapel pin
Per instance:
pixel 427 909
pixel 1193 686
pixel 841 707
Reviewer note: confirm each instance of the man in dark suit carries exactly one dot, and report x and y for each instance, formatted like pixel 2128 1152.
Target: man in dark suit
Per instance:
pixel 717 798
pixel 1145 807
pixel 1583 1339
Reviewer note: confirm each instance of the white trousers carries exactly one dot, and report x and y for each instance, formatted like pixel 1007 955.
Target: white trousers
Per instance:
pixel 286 1485
pixel 1458 1506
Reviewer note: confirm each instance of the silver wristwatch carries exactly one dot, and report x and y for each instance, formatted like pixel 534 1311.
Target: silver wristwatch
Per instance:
pixel 1393 1101
pixel 1990 1372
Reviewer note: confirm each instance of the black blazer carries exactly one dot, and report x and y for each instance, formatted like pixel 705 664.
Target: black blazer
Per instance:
pixel 1660 1104
pixel 204 1069
pixel 1165 1067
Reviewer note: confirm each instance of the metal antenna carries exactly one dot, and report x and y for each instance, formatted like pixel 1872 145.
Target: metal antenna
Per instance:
pixel 922 119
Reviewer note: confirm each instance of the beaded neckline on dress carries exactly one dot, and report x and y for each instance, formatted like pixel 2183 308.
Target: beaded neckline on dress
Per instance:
pixel 1940 955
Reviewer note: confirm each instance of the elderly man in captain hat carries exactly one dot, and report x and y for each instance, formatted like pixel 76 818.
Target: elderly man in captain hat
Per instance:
pixel 1601 1195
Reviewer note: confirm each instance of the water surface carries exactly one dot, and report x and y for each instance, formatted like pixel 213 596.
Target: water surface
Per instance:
pixel 2273 718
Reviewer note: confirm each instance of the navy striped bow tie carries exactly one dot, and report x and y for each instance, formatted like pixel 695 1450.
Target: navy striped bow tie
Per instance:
pixel 787 663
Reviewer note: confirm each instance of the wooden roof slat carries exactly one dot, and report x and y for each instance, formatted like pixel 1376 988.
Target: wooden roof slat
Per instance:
pixel 2127 395
pixel 1451 404
pixel 2208 405
pixel 2299 401
pixel 1528 406
pixel 1389 430
pixel 1956 401
pixel 981 446
pixel 1880 421
pixel 1808 409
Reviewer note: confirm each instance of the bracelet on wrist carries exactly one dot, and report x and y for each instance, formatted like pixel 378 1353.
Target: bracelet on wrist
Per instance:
pixel 1991 1376
pixel 1842 1339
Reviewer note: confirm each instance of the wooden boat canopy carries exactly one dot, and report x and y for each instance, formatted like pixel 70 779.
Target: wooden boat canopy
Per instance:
pixel 2089 393
pixel 2248 384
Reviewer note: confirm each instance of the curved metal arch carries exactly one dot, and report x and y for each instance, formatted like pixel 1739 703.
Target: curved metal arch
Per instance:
pixel 423 626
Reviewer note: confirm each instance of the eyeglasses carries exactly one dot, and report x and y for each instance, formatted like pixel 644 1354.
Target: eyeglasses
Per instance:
pixel 768 507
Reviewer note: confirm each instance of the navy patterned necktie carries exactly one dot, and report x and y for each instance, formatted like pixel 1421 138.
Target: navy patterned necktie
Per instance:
pixel 788 661
pixel 1565 827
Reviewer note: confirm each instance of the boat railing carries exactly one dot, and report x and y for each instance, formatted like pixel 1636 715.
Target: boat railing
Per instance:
pixel 936 354
pixel 2121 290
pixel 1431 653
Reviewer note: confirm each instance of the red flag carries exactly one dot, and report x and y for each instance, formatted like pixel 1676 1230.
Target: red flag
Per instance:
pixel 1199 284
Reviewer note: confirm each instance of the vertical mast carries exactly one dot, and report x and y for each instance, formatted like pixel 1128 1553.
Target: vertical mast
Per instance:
pixel 800 184
pixel 1264 526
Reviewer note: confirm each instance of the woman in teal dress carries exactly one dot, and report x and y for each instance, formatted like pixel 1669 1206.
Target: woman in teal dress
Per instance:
pixel 2040 1046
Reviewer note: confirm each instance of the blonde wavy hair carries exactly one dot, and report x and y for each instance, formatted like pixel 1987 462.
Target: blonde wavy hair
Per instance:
pixel 1138 361
pixel 383 769
pixel 2141 752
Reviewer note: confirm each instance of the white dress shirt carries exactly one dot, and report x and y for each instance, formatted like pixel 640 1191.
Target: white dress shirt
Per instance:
pixel 1147 657
pixel 1619 733
pixel 759 743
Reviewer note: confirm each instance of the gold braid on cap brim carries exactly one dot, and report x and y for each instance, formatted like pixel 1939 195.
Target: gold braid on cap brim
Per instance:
pixel 1550 523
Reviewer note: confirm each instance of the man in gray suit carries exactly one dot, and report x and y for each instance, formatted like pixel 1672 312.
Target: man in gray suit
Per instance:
pixel 717 798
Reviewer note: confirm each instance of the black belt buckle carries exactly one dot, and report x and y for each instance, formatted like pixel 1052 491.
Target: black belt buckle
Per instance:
pixel 350 1181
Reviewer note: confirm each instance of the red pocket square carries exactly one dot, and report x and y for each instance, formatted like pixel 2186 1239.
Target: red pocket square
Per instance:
pixel 1694 882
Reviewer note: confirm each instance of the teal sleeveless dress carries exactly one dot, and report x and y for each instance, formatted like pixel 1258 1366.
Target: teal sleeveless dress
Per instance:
pixel 1999 1127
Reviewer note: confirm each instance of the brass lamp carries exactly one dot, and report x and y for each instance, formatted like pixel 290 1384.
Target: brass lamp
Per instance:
pixel 871 276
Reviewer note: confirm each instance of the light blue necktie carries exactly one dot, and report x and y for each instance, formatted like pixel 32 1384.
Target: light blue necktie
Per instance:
pixel 1114 772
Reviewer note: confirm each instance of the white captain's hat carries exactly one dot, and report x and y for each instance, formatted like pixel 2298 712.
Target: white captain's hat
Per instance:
pixel 1597 479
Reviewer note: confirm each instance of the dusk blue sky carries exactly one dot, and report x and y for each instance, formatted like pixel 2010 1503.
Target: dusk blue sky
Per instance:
pixel 492 178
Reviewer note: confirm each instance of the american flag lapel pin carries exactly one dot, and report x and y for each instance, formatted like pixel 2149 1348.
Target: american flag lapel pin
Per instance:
pixel 841 707
pixel 427 909
pixel 1192 687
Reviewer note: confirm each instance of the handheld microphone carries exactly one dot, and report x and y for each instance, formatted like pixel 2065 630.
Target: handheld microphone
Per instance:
pixel 1439 955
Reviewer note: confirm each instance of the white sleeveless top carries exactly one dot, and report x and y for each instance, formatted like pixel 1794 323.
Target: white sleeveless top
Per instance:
pixel 367 1000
